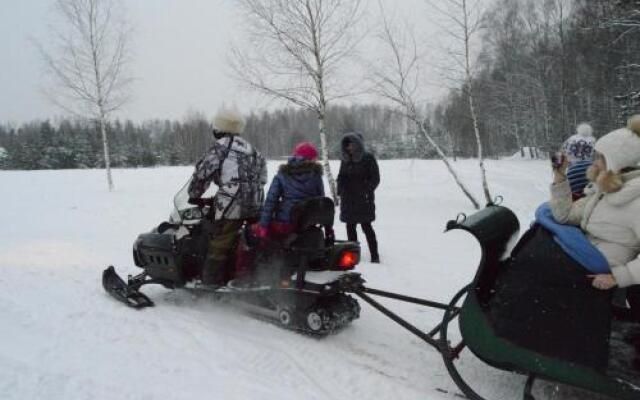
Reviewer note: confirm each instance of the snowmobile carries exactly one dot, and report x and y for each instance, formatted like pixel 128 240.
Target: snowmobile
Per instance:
pixel 297 282
pixel 497 230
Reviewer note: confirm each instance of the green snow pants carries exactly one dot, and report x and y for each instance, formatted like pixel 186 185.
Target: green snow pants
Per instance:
pixel 223 240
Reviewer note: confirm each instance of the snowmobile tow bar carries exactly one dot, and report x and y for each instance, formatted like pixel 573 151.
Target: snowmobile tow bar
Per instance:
pixel 451 312
pixel 436 337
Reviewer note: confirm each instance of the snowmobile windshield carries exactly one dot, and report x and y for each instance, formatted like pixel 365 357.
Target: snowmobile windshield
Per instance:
pixel 184 212
pixel 181 203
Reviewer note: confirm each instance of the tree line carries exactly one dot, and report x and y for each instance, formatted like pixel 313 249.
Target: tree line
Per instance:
pixel 77 143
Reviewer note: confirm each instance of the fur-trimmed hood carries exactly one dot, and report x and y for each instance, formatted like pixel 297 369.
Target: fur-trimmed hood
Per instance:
pixel 296 166
pixel 630 190
pixel 358 140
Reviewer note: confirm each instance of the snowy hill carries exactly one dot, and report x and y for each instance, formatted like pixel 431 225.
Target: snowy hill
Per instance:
pixel 62 337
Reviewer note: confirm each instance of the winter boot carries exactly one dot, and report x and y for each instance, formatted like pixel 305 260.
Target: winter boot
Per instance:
pixel 213 272
pixel 242 283
pixel 372 242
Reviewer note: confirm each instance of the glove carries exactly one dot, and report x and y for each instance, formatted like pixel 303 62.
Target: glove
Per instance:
pixel 262 232
pixel 196 202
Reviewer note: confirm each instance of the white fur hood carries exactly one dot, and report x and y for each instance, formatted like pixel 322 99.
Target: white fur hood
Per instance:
pixel 629 192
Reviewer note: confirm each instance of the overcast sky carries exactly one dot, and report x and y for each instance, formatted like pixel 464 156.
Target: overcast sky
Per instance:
pixel 180 51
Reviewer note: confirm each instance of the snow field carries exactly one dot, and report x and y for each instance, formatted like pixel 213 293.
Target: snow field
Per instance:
pixel 62 337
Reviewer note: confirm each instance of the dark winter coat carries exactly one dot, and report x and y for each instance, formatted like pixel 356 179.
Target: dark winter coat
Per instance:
pixel 357 180
pixel 297 180
pixel 544 302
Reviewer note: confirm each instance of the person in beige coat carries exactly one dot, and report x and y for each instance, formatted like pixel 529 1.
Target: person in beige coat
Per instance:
pixel 609 214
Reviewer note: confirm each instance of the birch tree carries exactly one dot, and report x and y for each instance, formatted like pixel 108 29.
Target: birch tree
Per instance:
pixel 463 22
pixel 88 58
pixel 397 78
pixel 297 53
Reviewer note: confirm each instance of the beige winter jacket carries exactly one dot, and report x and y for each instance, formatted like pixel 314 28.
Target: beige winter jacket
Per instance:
pixel 610 220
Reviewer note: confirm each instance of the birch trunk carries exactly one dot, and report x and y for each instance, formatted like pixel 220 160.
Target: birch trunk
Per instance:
pixel 472 109
pixel 105 147
pixel 325 160
pixel 483 171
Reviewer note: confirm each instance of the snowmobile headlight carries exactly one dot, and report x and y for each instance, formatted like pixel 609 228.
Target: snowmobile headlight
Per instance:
pixel 348 259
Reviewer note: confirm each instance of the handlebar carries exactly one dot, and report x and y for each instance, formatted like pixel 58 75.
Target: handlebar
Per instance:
pixel 202 202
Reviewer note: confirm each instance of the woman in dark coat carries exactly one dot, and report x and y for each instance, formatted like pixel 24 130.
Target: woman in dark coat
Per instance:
pixel 358 179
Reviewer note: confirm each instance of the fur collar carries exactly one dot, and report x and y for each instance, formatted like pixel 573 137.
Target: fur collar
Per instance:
pixel 297 167
pixel 629 192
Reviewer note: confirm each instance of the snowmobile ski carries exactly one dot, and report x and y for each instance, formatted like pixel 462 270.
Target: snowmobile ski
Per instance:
pixel 118 288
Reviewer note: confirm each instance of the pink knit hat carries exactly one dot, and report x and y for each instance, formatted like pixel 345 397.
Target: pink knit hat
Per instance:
pixel 306 150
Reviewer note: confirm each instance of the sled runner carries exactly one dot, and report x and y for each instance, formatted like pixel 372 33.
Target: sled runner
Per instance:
pixel 496 229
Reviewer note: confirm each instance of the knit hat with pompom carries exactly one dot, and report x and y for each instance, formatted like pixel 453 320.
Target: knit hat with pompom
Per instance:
pixel 579 147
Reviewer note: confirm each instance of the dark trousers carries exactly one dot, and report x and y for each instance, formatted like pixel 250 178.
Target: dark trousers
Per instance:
pixel 223 240
pixel 369 233
pixel 633 298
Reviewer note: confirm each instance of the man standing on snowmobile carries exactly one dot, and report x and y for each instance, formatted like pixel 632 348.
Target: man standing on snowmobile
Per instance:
pixel 240 173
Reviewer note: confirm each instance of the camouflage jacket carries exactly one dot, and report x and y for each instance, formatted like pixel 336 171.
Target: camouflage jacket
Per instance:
pixel 240 173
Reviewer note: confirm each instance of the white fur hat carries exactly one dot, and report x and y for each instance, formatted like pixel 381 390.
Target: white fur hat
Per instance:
pixel 621 148
pixel 229 121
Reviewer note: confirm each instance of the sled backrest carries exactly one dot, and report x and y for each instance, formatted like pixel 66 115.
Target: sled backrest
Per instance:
pixel 496 228
pixel 315 211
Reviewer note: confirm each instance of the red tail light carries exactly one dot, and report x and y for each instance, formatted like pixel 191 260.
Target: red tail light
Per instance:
pixel 348 259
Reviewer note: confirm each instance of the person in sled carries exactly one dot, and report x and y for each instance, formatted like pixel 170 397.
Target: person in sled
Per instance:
pixel 357 181
pixel 580 146
pixel 610 212
pixel 297 180
pixel 554 293
pixel 240 173
pixel 579 152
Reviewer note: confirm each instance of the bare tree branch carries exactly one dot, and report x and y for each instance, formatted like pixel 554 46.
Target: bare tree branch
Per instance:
pixel 297 54
pixel 398 80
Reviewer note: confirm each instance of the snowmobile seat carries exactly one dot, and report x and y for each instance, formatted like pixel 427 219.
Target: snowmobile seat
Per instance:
pixel 308 239
pixel 316 211
pixel 308 218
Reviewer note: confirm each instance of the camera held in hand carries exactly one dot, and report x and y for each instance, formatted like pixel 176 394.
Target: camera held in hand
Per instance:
pixel 557 159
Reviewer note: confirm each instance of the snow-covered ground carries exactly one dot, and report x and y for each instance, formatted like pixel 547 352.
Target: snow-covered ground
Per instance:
pixel 62 337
